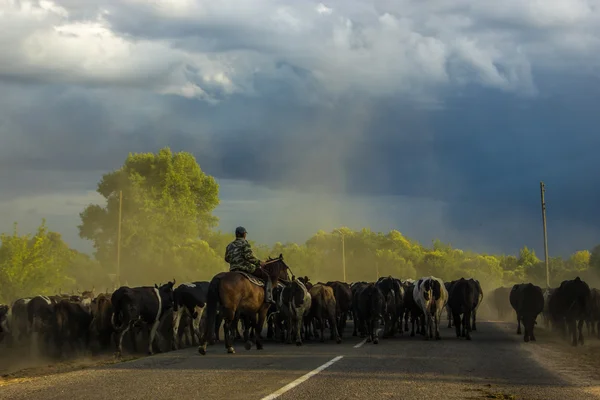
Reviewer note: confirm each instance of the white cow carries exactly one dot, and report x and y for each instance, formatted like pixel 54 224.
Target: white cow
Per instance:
pixel 431 296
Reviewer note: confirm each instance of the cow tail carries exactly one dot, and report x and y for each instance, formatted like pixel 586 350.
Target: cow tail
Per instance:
pixel 213 298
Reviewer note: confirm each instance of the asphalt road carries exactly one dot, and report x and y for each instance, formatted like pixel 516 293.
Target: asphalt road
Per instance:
pixel 495 364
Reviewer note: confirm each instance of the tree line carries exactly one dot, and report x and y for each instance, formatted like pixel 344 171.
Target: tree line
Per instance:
pixel 168 230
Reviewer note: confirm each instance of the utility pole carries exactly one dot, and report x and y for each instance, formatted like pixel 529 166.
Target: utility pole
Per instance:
pixel 542 191
pixel 119 240
pixel 343 253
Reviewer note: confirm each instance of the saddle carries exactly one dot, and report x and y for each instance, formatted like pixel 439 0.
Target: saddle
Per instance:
pixel 256 281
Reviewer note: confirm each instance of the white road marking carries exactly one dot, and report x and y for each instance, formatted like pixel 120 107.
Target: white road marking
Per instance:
pixel 303 378
pixel 365 339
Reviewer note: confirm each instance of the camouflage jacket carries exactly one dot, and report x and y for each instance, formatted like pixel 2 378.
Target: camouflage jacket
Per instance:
pixel 238 255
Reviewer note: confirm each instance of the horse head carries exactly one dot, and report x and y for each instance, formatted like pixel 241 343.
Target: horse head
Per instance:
pixel 277 269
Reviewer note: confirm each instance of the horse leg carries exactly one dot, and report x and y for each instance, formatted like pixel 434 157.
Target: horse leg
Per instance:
pixel 258 327
pixel 228 318
pixel 250 322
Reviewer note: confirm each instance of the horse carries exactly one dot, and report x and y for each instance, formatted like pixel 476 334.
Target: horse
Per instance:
pixel 235 293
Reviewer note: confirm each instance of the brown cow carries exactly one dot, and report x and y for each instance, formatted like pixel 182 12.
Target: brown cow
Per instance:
pixel 323 308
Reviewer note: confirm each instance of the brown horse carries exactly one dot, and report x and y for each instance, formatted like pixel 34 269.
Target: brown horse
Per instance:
pixel 236 294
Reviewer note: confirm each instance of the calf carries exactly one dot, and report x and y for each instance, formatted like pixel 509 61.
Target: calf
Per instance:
pixel 371 308
pixel 569 304
pixel 190 297
pixel 323 308
pixel 431 296
pixel 463 299
pixel 528 302
pixel 140 304
pixel 294 304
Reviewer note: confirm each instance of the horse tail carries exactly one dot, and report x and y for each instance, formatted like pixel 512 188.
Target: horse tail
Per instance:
pixel 213 298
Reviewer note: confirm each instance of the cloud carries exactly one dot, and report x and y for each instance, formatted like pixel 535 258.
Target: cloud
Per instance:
pixel 349 112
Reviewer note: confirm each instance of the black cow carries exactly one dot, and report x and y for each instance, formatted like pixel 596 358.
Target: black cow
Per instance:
pixel 40 314
pixel 356 288
pixel 478 300
pixel 463 299
pixel 371 308
pixel 393 292
pixel 569 306
pixel 593 320
pixel 528 302
pixel 146 304
pixel 449 286
pixel 412 310
pixel 190 297
pixel 72 322
pixel 4 328
pixel 18 321
pixel 343 301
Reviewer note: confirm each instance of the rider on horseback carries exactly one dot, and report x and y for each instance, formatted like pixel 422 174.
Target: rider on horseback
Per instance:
pixel 239 256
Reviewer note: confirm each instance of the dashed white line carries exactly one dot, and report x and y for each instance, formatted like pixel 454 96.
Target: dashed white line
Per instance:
pixel 303 378
pixel 365 339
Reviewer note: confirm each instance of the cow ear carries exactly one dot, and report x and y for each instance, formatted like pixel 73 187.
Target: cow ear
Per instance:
pixel 155 286
pixel 281 256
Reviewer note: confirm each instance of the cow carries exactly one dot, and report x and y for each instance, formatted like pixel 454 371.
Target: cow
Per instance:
pixel 323 308
pixel 431 296
pixel 478 300
pixel 372 307
pixel 190 297
pixel 101 327
pixel 294 304
pixel 140 304
pixel 527 300
pixel 501 302
pixel 412 310
pixel 71 325
pixel 343 302
pixel 463 299
pixel 356 288
pixel 18 321
pixel 569 304
pixel 40 314
pixel 4 328
pixel 593 320
pixel 448 286
pixel 393 292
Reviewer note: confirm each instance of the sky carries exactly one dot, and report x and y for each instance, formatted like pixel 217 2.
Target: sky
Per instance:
pixel 438 118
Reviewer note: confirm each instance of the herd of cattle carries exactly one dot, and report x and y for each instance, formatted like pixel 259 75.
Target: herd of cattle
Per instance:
pixel 169 317
pixel 564 309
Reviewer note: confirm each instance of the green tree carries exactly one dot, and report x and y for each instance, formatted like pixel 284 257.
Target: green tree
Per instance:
pixel 167 200
pixel 32 264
